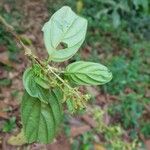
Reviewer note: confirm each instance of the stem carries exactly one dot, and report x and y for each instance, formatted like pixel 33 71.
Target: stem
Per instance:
pixel 49 68
pixel 60 79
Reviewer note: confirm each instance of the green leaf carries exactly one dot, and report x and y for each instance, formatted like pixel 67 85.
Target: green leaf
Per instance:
pixel 59 94
pixel 31 86
pixel 64 27
pixel 40 120
pixel 54 98
pixel 88 73
pixel 41 82
pixel 29 83
pixel 116 18
pixel 39 77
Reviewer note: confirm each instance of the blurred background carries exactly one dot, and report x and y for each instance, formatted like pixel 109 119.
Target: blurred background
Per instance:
pixel 118 36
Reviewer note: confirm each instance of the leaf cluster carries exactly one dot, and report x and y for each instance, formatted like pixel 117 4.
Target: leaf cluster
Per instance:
pixel 47 87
